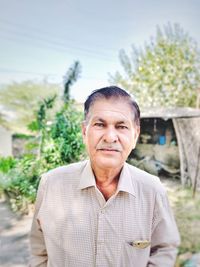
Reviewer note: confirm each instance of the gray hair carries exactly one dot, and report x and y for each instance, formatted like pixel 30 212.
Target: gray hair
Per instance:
pixel 115 93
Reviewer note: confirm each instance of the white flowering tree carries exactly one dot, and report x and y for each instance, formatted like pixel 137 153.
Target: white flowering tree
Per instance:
pixel 165 73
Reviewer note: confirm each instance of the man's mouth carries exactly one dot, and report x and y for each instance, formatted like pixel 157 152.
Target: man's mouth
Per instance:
pixel 108 149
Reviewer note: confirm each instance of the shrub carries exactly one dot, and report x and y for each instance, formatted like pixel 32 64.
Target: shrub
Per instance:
pixel 59 142
pixel 66 134
pixel 7 163
pixel 20 183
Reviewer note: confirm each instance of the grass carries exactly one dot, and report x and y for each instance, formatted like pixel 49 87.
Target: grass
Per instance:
pixel 187 213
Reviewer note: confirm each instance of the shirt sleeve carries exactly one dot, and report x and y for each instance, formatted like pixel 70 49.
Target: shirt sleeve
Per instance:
pixel 165 236
pixel 39 255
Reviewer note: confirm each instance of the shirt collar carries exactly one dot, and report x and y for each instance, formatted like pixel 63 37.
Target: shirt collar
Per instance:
pixel 87 178
pixel 125 183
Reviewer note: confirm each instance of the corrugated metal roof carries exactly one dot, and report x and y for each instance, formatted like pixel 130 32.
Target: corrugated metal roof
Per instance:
pixel 169 113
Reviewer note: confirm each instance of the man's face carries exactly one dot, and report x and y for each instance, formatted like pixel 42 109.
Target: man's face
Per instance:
pixel 109 133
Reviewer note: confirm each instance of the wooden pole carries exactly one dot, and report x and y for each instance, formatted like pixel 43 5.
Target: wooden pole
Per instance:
pixel 196 174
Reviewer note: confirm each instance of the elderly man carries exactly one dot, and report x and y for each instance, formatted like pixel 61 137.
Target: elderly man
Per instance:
pixel 104 212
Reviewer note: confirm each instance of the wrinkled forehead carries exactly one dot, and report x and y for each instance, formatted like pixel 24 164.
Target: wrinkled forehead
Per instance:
pixel 110 107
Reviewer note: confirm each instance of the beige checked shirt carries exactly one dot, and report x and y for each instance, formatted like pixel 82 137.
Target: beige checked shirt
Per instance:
pixel 74 226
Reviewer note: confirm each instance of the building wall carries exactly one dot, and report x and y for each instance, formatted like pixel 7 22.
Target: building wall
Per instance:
pixel 5 142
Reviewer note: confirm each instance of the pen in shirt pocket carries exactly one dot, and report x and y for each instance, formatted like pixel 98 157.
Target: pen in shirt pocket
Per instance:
pixel 140 244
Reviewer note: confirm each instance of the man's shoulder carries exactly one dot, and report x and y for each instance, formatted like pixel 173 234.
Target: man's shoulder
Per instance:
pixel 72 170
pixel 145 180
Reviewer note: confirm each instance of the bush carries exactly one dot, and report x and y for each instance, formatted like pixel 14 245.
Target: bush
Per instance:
pixel 66 134
pixel 20 183
pixel 60 144
pixel 7 163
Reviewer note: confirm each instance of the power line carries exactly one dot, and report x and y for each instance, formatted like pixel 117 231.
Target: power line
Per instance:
pixel 36 30
pixel 48 41
pixel 22 27
pixel 46 44
pixel 7 70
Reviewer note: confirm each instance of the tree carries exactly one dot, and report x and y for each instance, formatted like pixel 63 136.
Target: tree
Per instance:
pixel 60 140
pixel 21 100
pixel 70 78
pixel 166 72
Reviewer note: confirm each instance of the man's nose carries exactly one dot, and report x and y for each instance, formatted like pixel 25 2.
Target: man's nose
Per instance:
pixel 110 135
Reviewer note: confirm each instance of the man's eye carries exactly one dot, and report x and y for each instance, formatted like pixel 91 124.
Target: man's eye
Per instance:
pixel 122 127
pixel 98 124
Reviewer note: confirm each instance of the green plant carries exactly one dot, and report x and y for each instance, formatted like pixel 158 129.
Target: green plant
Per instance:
pixel 66 133
pixel 7 163
pixel 58 141
pixel 40 123
pixel 20 183
pixel 69 79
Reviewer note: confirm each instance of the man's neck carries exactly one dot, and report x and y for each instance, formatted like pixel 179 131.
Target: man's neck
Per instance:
pixel 107 181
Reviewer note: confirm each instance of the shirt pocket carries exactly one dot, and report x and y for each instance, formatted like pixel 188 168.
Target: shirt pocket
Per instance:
pixel 131 256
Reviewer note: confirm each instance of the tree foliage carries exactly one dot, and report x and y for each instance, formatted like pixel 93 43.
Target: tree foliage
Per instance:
pixel 58 141
pixel 70 78
pixel 166 72
pixel 21 100
pixel 66 133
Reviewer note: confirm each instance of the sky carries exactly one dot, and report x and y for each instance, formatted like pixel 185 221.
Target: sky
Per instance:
pixel 41 39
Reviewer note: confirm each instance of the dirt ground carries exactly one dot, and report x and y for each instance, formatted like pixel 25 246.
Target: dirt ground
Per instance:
pixel 14 242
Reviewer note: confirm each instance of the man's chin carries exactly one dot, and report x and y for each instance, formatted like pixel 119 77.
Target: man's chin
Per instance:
pixel 109 164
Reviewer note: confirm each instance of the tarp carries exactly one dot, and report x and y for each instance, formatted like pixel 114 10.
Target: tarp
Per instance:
pixel 188 137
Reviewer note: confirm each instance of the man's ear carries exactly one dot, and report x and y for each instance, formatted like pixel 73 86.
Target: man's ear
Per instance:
pixel 136 135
